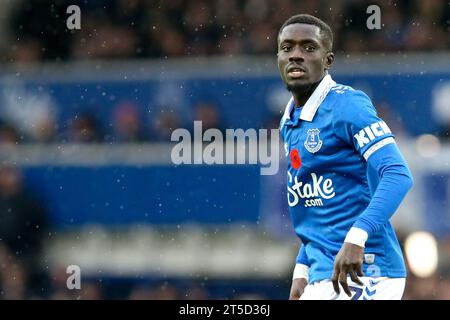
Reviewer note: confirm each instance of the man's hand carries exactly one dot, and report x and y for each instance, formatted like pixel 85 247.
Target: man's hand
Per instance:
pixel 297 288
pixel 349 260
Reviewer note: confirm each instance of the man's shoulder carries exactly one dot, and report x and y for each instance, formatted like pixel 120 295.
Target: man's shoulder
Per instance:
pixel 345 98
pixel 341 92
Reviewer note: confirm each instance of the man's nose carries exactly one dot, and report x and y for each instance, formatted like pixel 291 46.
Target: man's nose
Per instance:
pixel 296 54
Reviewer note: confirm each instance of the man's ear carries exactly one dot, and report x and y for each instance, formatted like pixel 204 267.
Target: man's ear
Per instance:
pixel 329 59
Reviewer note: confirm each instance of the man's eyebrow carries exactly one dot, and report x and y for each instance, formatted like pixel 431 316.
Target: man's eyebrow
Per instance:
pixel 307 40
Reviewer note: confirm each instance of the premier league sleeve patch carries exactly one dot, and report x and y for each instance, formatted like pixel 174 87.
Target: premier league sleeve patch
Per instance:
pixel 313 142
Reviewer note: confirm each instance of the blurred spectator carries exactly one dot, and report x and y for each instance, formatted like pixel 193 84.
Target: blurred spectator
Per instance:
pixel 386 112
pixel 141 293
pixel 208 113
pixel 443 290
pixel 392 34
pixel 12 276
pixel 127 123
pixel 169 40
pixel 90 291
pixel 27 50
pixel 32 113
pixel 45 131
pixel 164 291
pixel 421 288
pixel 249 296
pixel 40 20
pixel 262 38
pixel 163 125
pixel 58 286
pixel 8 134
pixel 200 28
pixel 167 291
pixel 106 41
pixel 84 129
pixel 196 292
pixel 23 223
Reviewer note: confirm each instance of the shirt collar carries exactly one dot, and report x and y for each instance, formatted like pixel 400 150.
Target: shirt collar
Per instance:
pixel 313 103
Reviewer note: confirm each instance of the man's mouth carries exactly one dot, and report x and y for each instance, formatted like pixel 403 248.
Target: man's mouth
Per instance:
pixel 295 72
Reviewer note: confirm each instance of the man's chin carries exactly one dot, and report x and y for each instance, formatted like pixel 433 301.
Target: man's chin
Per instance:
pixel 298 86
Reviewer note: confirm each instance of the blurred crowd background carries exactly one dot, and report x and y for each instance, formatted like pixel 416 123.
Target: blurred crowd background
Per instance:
pixel 179 28
pixel 41 112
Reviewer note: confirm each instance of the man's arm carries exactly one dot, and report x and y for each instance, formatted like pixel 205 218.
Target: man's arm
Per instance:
pixel 300 275
pixel 395 181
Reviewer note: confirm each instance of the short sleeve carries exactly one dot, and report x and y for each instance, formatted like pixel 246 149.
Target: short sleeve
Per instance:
pixel 355 121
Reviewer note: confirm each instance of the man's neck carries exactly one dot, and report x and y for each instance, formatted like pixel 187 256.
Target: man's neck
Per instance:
pixel 302 95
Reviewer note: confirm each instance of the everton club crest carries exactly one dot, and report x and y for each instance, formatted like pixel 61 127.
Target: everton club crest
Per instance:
pixel 313 142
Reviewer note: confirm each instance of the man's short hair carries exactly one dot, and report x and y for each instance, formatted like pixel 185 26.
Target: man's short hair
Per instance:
pixel 325 29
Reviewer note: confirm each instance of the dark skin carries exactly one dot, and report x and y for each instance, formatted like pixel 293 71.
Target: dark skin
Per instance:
pixel 349 261
pixel 302 46
pixel 304 58
pixel 297 288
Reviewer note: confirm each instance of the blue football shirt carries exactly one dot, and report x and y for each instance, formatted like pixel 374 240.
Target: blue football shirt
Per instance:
pixel 328 142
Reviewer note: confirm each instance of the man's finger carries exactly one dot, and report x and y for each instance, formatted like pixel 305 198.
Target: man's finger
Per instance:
pixel 295 296
pixel 359 270
pixel 334 280
pixel 354 278
pixel 343 282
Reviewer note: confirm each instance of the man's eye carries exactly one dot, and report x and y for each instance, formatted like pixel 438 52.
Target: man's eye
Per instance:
pixel 285 48
pixel 310 48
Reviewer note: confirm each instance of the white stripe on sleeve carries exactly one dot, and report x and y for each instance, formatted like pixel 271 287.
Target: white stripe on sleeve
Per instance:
pixel 377 146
